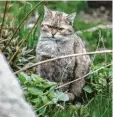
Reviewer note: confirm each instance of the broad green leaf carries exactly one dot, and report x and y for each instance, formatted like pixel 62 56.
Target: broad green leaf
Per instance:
pixel 42 111
pixel 103 81
pixel 62 96
pixel 22 77
pixel 110 74
pixel 49 84
pixel 54 100
pixel 36 78
pixel 35 91
pixel 45 99
pixel 52 94
pixel 88 89
pixel 36 100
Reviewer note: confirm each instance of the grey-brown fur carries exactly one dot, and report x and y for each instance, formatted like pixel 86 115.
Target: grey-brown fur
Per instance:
pixel 64 42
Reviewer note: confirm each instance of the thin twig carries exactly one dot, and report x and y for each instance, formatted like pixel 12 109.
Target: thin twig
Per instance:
pixel 101 38
pixel 3 17
pixel 62 57
pixel 85 75
pixel 96 50
pixel 75 81
pixel 15 54
pixel 21 24
pixel 95 28
pixel 8 28
pixel 98 44
pixel 1 41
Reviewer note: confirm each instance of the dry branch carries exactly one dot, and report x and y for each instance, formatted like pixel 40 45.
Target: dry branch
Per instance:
pixel 85 75
pixel 8 28
pixel 21 24
pixel 62 57
pixel 15 54
pixel 1 41
pixel 96 28
pixel 3 17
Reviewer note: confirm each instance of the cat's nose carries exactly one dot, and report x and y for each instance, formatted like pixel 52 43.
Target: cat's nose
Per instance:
pixel 53 35
pixel 53 32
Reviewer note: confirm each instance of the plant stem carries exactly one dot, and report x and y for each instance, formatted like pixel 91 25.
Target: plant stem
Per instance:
pixel 62 57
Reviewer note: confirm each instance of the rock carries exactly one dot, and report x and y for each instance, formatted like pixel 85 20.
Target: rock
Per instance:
pixel 12 102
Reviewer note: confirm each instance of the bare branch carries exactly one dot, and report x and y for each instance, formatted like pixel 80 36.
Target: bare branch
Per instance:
pixel 3 17
pixel 85 75
pixel 22 24
pixel 1 41
pixel 15 54
pixel 8 28
pixel 95 28
pixel 62 57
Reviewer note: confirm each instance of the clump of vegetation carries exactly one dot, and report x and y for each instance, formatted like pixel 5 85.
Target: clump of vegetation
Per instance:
pixel 42 94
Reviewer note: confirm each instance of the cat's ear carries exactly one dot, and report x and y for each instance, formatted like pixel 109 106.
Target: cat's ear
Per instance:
pixel 47 12
pixel 71 17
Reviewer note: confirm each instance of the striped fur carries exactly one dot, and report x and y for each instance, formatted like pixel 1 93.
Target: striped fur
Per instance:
pixel 57 38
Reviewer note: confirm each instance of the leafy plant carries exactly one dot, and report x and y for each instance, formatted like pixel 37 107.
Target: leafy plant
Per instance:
pixel 98 81
pixel 40 92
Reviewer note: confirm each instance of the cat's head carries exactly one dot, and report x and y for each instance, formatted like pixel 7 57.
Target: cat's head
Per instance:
pixel 56 24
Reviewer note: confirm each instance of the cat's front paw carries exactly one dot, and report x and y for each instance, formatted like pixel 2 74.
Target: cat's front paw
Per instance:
pixel 71 96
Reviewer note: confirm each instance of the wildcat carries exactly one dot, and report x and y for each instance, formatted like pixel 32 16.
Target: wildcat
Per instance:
pixel 57 38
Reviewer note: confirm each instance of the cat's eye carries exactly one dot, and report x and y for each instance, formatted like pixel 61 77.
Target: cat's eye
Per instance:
pixel 42 25
pixel 55 27
pixel 69 30
pixel 60 28
pixel 49 26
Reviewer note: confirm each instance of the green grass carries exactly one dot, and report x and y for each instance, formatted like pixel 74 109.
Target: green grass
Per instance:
pixel 97 101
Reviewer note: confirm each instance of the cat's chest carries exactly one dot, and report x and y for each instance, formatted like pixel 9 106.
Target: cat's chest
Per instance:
pixel 61 68
pixel 56 48
pixel 64 49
